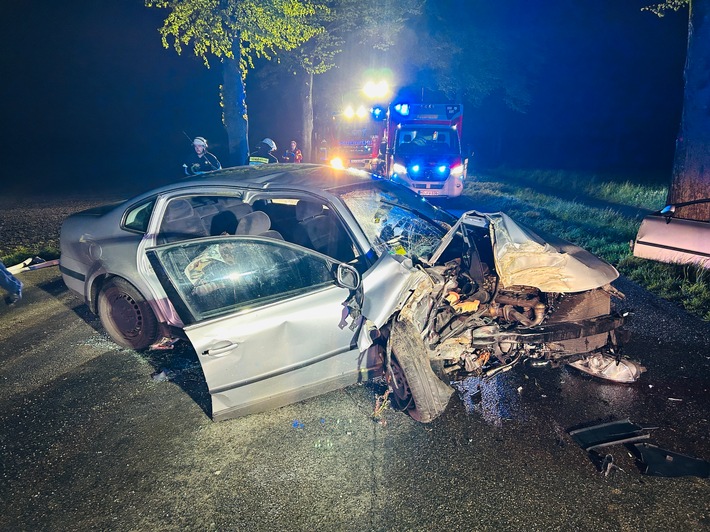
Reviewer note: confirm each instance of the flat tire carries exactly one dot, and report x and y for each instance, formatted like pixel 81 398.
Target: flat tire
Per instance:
pixel 414 386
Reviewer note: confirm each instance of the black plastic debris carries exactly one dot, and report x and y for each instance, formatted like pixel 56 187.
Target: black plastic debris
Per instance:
pixel 605 434
pixel 662 463
pixel 651 459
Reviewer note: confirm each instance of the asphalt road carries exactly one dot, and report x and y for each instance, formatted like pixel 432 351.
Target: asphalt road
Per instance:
pixel 89 440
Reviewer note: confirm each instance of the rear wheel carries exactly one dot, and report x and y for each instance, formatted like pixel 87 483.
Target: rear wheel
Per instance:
pixel 126 315
pixel 415 388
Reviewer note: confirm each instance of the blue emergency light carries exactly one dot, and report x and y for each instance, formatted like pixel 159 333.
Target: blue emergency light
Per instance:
pixel 402 108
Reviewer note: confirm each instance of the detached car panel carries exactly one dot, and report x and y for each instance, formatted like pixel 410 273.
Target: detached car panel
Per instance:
pixel 294 280
pixel 665 237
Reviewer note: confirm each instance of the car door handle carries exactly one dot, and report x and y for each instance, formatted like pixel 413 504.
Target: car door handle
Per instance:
pixel 221 348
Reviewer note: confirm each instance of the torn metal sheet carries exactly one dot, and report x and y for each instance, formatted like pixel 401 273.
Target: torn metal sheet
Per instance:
pixel 605 434
pixel 662 463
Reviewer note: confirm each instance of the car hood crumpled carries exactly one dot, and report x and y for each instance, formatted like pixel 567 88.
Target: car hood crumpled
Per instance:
pixel 522 257
pixel 550 264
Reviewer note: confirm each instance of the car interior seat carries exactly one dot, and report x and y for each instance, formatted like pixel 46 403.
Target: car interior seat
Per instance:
pixel 318 230
pixel 224 222
pixel 180 222
pixel 257 223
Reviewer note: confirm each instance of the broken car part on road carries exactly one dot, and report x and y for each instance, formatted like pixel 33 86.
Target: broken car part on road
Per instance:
pixel 651 459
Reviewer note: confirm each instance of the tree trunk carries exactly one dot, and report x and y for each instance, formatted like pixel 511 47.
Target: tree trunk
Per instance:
pixel 691 171
pixel 306 98
pixel 234 104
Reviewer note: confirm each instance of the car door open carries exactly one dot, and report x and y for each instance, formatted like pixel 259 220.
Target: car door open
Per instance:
pixel 267 319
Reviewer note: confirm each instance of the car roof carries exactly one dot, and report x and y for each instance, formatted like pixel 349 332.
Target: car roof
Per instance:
pixel 309 177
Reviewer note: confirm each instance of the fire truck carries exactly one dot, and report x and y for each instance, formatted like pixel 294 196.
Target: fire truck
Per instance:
pixel 423 148
pixel 355 137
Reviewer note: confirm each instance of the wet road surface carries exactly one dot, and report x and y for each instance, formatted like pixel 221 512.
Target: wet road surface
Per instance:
pixel 89 440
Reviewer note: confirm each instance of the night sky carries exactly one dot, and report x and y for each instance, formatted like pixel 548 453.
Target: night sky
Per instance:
pixel 90 98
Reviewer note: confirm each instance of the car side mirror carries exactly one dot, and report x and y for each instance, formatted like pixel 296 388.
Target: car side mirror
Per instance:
pixel 347 276
pixel 668 211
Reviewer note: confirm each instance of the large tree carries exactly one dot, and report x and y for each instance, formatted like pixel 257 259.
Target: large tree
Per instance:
pixel 236 32
pixel 347 24
pixel 691 169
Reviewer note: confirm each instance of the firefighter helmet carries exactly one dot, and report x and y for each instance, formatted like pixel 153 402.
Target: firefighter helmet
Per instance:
pixel 270 143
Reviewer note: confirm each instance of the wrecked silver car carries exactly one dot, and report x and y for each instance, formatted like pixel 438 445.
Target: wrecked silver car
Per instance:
pixel 296 280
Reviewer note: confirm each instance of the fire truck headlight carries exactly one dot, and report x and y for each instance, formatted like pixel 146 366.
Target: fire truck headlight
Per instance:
pixel 442 169
pixel 414 169
pixel 399 169
pixel 457 171
pixel 336 162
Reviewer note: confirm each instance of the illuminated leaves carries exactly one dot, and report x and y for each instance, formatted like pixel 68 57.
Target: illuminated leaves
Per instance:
pixel 248 28
pixel 668 5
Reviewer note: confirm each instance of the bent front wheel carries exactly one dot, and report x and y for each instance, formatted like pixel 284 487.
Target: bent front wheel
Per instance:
pixel 415 388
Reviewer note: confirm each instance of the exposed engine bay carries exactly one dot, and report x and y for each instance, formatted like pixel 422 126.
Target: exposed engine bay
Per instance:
pixel 471 323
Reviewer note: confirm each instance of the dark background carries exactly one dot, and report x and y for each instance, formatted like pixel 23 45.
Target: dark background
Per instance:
pixel 91 99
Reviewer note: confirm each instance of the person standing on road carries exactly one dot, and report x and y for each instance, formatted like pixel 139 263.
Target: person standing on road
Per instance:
pixel 201 160
pixel 11 284
pixel 263 154
pixel 293 154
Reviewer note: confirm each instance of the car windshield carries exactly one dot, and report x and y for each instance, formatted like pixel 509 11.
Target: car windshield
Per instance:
pixel 426 140
pixel 395 220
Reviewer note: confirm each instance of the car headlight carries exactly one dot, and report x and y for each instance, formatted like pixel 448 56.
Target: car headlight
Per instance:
pixel 457 171
pixel 415 170
pixel 337 162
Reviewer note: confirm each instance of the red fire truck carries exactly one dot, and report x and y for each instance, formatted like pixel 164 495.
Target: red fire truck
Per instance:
pixel 355 138
pixel 423 148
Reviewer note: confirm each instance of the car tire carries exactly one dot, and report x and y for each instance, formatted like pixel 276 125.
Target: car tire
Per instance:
pixel 414 387
pixel 126 315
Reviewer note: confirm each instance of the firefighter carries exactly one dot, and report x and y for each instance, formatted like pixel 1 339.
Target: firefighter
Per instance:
pixel 201 160
pixel 263 154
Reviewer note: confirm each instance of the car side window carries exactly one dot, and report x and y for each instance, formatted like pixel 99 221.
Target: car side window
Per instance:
pixel 229 274
pixel 137 217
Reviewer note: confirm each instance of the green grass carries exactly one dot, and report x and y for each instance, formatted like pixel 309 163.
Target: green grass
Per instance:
pixel 593 211
pixel 46 250
pixel 629 190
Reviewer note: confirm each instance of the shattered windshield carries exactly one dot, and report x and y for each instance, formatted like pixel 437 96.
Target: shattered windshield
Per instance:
pixel 395 220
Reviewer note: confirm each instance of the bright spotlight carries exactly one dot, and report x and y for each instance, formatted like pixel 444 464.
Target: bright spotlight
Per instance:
pixel 378 89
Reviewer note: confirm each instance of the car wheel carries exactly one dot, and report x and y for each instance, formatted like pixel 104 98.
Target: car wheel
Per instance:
pixel 414 386
pixel 126 315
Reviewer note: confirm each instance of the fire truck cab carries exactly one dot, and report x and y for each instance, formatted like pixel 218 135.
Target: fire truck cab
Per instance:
pixel 423 148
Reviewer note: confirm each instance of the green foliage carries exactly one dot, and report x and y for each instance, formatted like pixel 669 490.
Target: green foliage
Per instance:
pixel 256 28
pixel 352 23
pixel 668 5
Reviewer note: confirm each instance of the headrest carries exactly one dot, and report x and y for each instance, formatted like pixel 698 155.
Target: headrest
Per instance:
pixel 179 209
pixel 224 222
pixel 307 209
pixel 254 223
pixel 273 234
